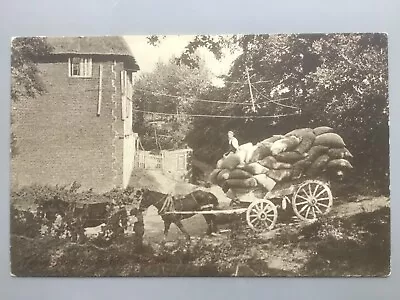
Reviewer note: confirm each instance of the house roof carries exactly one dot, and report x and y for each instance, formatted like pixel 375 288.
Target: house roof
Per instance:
pixel 95 45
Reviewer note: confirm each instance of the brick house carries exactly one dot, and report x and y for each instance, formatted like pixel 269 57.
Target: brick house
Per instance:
pixel 80 129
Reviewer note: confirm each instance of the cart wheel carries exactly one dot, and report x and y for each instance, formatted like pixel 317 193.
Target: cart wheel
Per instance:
pixel 311 199
pixel 261 214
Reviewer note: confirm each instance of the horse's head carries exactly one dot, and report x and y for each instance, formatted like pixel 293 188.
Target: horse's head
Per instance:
pixel 142 196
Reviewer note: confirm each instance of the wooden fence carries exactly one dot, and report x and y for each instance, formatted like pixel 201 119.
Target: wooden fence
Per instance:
pixel 175 164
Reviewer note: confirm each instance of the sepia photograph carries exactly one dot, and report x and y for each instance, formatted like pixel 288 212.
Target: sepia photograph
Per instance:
pixel 240 155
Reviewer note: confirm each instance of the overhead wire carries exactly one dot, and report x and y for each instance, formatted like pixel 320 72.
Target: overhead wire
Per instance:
pixel 273 101
pixel 208 100
pixel 217 116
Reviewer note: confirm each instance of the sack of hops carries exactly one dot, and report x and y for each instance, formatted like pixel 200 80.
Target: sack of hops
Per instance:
pixel 260 152
pixel 270 162
pixel 331 140
pixel 255 168
pixel 248 152
pixel 269 141
pixel 223 175
pixel 278 147
pixel 322 129
pixel 299 168
pixel 315 152
pixel 265 181
pixel 242 183
pixel 285 144
pixel 300 132
pixel 336 153
pixel 280 175
pixel 229 162
pixel 307 138
pixel 340 163
pixel 318 165
pixel 239 174
pixel 213 176
pixel 289 157
pixel 219 163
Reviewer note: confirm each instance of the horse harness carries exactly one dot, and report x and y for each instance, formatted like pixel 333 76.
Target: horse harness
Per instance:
pixel 169 205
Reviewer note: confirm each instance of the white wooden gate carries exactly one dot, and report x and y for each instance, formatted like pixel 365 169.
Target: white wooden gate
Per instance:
pixel 146 160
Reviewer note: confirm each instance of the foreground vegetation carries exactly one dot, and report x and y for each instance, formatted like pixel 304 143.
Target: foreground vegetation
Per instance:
pixel 333 246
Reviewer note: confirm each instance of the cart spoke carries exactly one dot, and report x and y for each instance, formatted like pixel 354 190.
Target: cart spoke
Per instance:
pixel 309 189
pixel 315 191
pixel 304 198
pixel 270 220
pixel 300 203
pixel 253 221
pixel 305 192
pixel 267 207
pixel 323 190
pixel 321 204
pixel 303 208
pixel 325 198
pixel 308 211
pixel 313 210
pixel 318 209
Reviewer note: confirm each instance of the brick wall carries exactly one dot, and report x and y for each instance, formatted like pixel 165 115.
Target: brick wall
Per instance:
pixel 60 138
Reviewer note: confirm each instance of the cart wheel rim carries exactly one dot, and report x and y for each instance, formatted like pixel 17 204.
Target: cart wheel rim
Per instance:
pixel 261 215
pixel 312 199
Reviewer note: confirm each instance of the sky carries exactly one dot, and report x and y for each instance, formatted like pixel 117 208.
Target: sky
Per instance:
pixel 147 55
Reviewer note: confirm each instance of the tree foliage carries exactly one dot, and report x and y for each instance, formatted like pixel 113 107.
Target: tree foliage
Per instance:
pixel 25 80
pixel 170 89
pixel 24 72
pixel 301 80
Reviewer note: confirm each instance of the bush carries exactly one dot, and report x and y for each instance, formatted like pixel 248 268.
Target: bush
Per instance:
pixel 359 245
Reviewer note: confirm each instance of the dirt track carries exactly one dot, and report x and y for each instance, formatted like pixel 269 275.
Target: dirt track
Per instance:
pixel 196 225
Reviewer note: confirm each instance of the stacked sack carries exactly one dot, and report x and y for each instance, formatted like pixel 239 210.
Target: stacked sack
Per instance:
pixel 301 152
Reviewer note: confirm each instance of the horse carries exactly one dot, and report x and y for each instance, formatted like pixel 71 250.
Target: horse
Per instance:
pixel 195 201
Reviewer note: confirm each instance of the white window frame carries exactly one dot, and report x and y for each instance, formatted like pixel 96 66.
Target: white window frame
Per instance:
pixel 85 67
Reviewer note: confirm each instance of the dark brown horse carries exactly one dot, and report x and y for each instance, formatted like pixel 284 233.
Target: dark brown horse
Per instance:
pixel 195 201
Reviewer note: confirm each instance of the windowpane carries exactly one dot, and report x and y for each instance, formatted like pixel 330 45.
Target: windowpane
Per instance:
pixel 75 69
pixel 80 67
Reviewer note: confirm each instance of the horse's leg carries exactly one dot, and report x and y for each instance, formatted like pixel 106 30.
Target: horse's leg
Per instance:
pixel 167 224
pixel 214 224
pixel 212 227
pixel 180 226
pixel 209 222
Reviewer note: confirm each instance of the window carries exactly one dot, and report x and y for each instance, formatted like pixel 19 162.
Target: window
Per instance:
pixel 80 67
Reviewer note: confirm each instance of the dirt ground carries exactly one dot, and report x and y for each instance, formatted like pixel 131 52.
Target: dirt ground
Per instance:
pixel 273 248
pixel 196 225
pixel 353 240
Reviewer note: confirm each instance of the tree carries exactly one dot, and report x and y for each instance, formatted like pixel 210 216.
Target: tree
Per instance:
pixel 25 80
pixel 171 89
pixel 24 72
pixel 303 80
